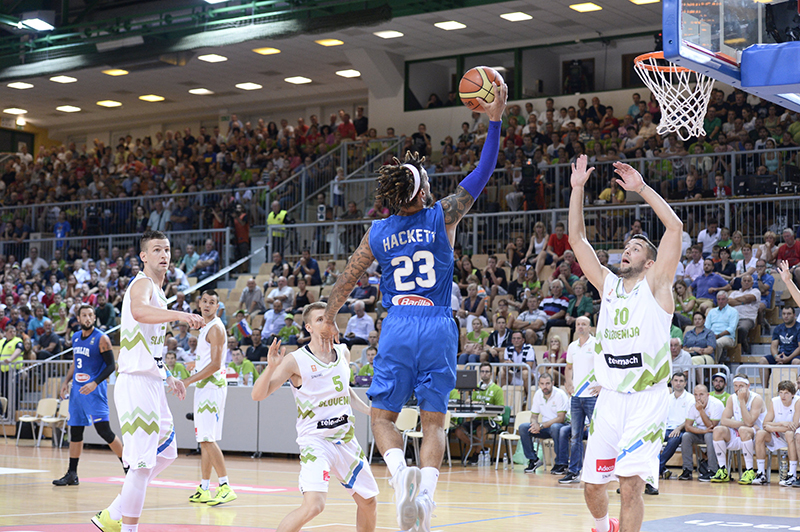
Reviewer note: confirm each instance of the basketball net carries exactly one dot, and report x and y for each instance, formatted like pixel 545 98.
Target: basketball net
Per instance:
pixel 681 93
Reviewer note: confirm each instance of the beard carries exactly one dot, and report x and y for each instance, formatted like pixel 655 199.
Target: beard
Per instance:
pixel 719 388
pixel 630 271
pixel 87 327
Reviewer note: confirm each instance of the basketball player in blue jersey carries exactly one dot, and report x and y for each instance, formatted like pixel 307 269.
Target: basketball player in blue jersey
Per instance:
pixel 93 362
pixel 419 340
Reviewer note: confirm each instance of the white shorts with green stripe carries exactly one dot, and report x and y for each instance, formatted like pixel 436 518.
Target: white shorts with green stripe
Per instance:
pixel 320 458
pixel 209 409
pixel 626 435
pixel 145 420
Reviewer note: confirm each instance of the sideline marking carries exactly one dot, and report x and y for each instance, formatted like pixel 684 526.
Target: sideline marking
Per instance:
pixel 190 485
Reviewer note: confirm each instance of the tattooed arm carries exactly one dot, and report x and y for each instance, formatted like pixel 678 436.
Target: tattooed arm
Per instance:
pixel 356 266
pixel 455 206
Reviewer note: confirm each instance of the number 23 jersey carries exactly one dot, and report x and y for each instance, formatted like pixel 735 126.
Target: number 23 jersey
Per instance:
pixel 415 257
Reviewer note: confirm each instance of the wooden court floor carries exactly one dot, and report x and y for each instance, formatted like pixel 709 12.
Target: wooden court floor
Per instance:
pixel 468 498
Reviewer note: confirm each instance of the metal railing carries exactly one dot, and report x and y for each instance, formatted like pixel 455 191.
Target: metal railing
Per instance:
pixel 30 383
pixel 510 387
pixel 777 373
pixel 704 373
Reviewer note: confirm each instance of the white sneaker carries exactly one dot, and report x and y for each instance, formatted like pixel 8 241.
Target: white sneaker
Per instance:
pixel 406 487
pixel 425 507
pixel 788 481
pixel 760 479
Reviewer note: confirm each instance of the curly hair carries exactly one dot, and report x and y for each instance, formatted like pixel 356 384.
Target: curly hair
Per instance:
pixel 396 182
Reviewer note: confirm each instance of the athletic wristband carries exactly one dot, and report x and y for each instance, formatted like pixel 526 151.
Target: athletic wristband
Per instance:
pixel 475 182
pixel 169 373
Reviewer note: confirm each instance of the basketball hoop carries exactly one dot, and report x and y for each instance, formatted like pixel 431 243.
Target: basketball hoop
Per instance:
pixel 681 93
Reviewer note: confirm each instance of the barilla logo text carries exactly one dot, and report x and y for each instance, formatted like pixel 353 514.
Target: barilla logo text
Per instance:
pixel 82 377
pixel 326 476
pixel 412 300
pixel 606 466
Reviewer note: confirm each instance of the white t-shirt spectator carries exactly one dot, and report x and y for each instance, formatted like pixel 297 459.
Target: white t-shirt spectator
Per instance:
pixel 39 265
pixel 713 409
pixel 741 267
pixel 360 327
pixel 582 359
pixel 273 323
pixel 748 311
pixel 82 276
pixel 286 291
pixel 708 240
pixel 549 408
pixel 682 363
pixel 678 411
pixel 694 269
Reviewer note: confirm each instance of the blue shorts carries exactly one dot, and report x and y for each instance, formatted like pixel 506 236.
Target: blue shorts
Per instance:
pixel 417 354
pixel 85 410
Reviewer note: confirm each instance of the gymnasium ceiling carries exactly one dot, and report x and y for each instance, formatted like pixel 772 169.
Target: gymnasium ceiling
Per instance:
pixel 162 58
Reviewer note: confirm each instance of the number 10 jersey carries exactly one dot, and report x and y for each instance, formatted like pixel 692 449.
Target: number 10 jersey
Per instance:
pixel 416 258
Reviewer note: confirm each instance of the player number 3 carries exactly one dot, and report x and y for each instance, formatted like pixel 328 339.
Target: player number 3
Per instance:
pixel 406 268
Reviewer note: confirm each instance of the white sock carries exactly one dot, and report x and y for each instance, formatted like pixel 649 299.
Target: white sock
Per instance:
pixel 395 460
pixel 602 524
pixel 748 449
pixel 721 450
pixel 793 468
pixel 115 510
pixel 223 480
pixel 760 464
pixel 130 528
pixel 205 484
pixel 430 475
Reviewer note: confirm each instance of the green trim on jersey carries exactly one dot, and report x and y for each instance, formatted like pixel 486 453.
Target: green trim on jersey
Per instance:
pixel 307 455
pixel 305 409
pixel 138 419
pixel 214 379
pixel 208 406
pixel 330 365
pixel 344 435
pixel 129 339
pixel 663 368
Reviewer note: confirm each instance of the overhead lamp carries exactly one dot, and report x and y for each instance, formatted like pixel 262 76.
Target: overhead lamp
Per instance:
pixel 213 2
pixel 21 121
pixel 349 73
pixel 63 79
pixel 329 42
pixel 201 92
pixel 115 72
pixel 266 51
pixel 20 85
pixel 643 2
pixel 388 34
pixel 248 86
pixel 109 103
pixel 450 25
pixel 297 80
pixel 212 58
pixel 517 16
pixel 15 111
pixel 151 98
pixel 68 109
pixel 585 7
pixel 38 20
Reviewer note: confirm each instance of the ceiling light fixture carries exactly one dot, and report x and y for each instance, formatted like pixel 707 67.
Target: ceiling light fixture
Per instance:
pixel 349 73
pixel 20 85
pixel 63 79
pixel 266 51
pixel 68 109
pixel 212 58
pixel 388 34
pixel 212 2
pixel 152 98
pixel 115 72
pixel 21 121
pixel 201 92
pixel 248 86
pixel 517 16
pixel 585 7
pixel 15 111
pixel 38 20
pixel 329 42
pixel 450 25
pixel 297 80
pixel 643 2
pixel 108 103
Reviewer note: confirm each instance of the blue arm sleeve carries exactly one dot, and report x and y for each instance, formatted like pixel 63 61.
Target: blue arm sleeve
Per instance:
pixel 477 179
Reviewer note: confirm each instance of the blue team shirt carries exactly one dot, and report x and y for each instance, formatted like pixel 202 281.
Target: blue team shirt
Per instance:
pixel 787 337
pixel 88 361
pixel 415 257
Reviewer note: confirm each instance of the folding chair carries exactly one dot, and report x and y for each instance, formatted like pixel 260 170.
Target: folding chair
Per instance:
pixel 522 417
pixel 416 436
pixel 45 408
pixel 59 421
pixel 406 422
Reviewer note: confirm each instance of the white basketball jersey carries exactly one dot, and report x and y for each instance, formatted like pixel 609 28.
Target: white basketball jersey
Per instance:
pixel 632 338
pixel 323 398
pixel 783 413
pixel 218 378
pixel 141 345
pixel 737 409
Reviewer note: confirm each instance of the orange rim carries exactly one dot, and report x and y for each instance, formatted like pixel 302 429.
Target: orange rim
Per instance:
pixel 640 63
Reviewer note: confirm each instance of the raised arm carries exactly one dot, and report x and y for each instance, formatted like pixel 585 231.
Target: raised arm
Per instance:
pixel 590 264
pixel 279 369
pixel 786 276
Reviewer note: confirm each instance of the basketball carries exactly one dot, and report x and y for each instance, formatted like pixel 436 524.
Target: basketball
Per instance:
pixel 477 83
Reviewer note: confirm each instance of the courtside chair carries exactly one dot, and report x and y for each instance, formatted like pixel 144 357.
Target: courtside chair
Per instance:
pixel 58 421
pixel 46 408
pixel 406 422
pixel 416 436
pixel 505 436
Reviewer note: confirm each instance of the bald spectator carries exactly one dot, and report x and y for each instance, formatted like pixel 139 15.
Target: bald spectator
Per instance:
pixel 723 321
pixel 208 264
pixel 34 261
pixel 358 327
pixel 273 321
pixel 790 252
pixel 746 302
pixel 283 293
pixel 252 298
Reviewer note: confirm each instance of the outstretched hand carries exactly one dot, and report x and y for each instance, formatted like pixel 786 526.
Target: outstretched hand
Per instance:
pixel 329 335
pixel 784 271
pixel 629 178
pixel 580 175
pixel 495 109
pixel 275 354
pixel 176 387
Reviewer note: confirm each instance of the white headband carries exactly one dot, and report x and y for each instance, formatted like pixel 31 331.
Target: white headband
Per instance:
pixel 741 379
pixel 415 173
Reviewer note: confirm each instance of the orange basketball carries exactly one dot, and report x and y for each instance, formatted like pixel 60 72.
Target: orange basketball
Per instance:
pixel 477 83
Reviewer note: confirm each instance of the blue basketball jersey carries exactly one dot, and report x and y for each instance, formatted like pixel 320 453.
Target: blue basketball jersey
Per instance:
pixel 88 361
pixel 416 258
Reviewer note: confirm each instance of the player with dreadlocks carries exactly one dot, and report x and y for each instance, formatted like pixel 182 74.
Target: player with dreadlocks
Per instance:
pixel 414 248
